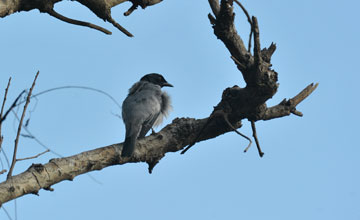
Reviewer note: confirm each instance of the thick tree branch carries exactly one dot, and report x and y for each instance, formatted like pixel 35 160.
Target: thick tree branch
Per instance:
pixel 172 138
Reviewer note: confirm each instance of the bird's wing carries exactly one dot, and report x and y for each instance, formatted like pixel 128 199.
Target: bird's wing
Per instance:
pixel 147 125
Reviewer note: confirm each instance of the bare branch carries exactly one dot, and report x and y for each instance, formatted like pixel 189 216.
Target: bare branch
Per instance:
pixel 303 94
pixel 256 138
pixel 19 128
pixel 257 48
pixel 2 110
pixel 118 26
pixel 4 101
pixel 33 157
pixel 245 11
pixel 285 108
pixel 53 13
pixel 236 131
pixel 13 105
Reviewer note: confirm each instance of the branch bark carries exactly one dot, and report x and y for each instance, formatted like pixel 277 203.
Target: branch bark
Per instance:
pixel 151 149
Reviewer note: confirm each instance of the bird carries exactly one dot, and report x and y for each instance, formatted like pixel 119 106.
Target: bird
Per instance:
pixel 144 107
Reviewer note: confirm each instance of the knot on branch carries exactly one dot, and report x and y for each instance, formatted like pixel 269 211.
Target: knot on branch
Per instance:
pixel 38 167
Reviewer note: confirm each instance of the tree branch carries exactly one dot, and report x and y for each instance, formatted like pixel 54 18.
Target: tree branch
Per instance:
pixel 286 107
pixel 101 8
pixel 76 22
pixel 172 138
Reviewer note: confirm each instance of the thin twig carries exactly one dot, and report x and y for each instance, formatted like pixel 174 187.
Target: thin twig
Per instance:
pixel 3 171
pixel 20 126
pixel 250 22
pixel 257 50
pixel 6 212
pixel 77 22
pixel 121 28
pixel 13 105
pixel 76 87
pixel 245 11
pixel 2 110
pixel 33 157
pixel 4 101
pixel 198 135
pixel 256 139
pixel 234 129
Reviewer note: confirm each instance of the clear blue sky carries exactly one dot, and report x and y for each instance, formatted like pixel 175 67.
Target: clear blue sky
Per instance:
pixel 311 165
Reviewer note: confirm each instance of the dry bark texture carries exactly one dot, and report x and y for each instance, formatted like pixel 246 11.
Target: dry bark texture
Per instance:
pixel 236 104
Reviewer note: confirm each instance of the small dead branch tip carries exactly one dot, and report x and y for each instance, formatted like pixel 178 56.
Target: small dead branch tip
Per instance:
pixel 118 26
pixel 130 10
pixel 297 113
pixel 261 154
pixel 5 96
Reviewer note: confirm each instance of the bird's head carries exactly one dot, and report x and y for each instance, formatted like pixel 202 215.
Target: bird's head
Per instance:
pixel 156 79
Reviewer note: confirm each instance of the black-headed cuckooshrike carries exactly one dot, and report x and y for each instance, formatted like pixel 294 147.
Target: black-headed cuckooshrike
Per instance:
pixel 144 107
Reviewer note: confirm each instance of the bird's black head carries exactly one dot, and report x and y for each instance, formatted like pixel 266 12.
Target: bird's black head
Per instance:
pixel 156 79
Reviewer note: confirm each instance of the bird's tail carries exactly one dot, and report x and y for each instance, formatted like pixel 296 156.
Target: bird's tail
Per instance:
pixel 128 146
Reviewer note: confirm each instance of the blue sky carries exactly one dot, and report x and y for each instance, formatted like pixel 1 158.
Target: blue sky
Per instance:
pixel 310 167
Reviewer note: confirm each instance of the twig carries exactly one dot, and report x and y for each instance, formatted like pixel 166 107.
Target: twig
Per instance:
pixel 121 28
pixel 2 110
pixel 303 94
pixel 257 51
pixel 256 139
pixel 19 128
pixel 249 20
pixel 33 157
pixel 13 105
pixel 130 10
pixel 77 22
pixel 198 135
pixel 245 11
pixel 234 129
pixel 3 104
pixel 3 171
pixel 6 212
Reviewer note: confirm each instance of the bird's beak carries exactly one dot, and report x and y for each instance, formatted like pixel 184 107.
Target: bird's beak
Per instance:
pixel 167 84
